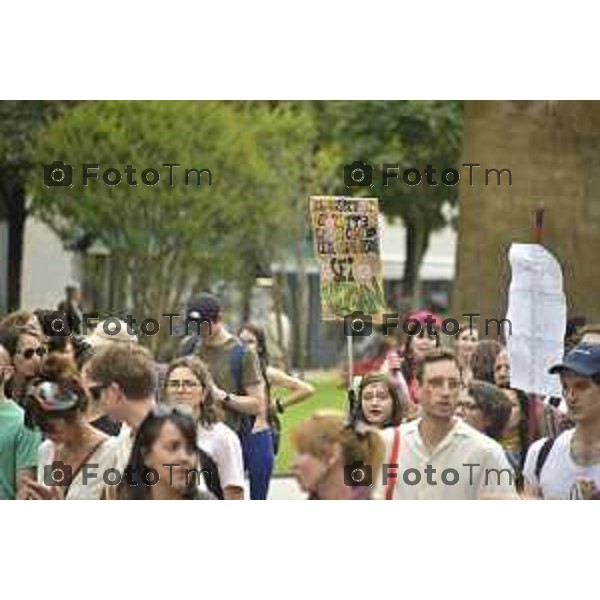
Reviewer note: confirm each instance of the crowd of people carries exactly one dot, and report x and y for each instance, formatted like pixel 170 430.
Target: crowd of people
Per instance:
pixel 97 417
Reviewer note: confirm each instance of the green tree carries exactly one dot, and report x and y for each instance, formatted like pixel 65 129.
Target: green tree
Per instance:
pixel 19 120
pixel 411 134
pixel 167 241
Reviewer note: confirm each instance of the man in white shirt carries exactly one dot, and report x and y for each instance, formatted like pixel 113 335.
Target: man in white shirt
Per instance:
pixel 569 466
pixel 440 456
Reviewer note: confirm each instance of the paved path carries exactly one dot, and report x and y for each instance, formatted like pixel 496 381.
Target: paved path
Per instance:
pixel 285 488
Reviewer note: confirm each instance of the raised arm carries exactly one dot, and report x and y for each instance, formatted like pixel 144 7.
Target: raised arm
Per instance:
pixel 299 390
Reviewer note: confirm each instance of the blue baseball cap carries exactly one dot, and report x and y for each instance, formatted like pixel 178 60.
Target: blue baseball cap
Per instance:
pixel 584 360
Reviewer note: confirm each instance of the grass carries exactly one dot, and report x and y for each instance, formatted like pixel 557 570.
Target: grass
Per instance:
pixel 327 396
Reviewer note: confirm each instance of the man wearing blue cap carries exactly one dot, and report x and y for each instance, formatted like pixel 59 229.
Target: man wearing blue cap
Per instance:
pixel 568 467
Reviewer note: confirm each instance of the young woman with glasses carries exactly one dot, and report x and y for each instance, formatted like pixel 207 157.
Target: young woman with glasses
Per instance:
pixel 485 407
pixel 188 387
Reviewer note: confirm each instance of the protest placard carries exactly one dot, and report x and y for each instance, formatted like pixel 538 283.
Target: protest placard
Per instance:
pixel 346 242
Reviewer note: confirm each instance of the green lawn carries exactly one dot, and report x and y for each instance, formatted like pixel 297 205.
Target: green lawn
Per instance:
pixel 327 395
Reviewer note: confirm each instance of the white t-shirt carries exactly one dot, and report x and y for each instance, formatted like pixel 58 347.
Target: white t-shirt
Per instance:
pixel 88 483
pixel 466 465
pixel 561 478
pixel 223 445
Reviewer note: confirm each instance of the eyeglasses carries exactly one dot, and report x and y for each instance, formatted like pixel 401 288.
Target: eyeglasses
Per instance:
pixel 186 384
pixel 471 405
pixel 437 383
pixel 28 354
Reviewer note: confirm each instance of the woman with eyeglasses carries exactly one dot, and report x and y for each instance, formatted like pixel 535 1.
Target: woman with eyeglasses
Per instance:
pixel 75 456
pixel 485 407
pixel 164 460
pixel 329 455
pixel 188 387
pixel 378 403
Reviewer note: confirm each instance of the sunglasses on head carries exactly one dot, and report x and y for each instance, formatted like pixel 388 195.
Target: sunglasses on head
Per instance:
pixel 28 354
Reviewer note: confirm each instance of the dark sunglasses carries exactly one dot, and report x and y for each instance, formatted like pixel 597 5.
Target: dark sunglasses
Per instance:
pixel 28 354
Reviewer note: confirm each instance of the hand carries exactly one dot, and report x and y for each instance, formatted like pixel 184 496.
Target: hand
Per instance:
pixel 38 491
pixel 218 394
pixel 394 361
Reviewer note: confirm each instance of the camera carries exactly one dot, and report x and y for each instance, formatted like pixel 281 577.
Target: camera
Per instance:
pixel 357 324
pixel 358 474
pixel 56 324
pixel 58 474
pixel 358 174
pixel 58 174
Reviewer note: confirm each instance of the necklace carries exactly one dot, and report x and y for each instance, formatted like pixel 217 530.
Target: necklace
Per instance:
pixel 585 455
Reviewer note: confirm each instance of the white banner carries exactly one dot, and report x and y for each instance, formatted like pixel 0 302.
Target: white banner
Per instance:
pixel 537 311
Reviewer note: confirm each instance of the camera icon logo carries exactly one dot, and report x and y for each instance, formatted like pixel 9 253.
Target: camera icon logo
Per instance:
pixel 357 324
pixel 56 324
pixel 58 474
pixel 358 474
pixel 58 174
pixel 358 174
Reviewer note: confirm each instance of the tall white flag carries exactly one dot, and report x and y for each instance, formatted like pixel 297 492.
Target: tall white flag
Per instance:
pixel 537 312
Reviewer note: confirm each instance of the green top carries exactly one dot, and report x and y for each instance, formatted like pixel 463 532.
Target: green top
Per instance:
pixel 18 447
pixel 218 361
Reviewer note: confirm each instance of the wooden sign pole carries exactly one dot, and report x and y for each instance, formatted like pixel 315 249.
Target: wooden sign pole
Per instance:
pixel 539 226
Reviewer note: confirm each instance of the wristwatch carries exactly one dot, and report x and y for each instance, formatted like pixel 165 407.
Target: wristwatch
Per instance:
pixel 280 407
pixel 228 398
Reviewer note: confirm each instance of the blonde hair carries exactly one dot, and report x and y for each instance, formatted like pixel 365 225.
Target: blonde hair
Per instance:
pixel 324 429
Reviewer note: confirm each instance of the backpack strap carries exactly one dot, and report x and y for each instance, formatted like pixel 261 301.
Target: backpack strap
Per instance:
pixel 210 474
pixel 542 456
pixel 391 484
pixel 236 366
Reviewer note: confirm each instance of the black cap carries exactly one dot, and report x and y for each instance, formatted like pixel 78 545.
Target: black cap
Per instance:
pixel 584 360
pixel 205 307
